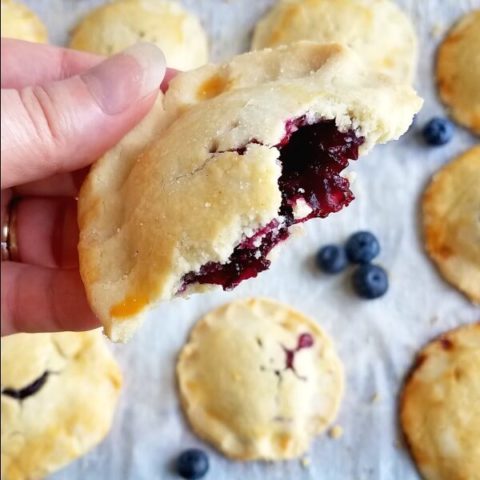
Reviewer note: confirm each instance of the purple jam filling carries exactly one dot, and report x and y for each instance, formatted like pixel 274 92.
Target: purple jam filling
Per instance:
pixel 28 390
pixel 304 341
pixel 312 157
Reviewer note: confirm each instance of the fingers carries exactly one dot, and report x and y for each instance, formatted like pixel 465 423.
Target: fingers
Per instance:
pixel 47 232
pixel 60 185
pixel 25 63
pixel 66 125
pixel 36 299
pixel 6 198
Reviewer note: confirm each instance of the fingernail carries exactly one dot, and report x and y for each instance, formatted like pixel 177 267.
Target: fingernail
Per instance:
pixel 127 77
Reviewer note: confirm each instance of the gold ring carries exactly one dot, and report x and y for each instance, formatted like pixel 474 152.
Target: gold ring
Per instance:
pixel 9 234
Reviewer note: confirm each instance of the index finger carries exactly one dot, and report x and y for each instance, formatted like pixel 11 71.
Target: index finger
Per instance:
pixel 24 63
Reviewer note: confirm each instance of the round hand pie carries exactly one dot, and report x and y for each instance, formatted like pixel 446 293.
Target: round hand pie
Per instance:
pixel 59 393
pixel 458 71
pixel 259 380
pixel 118 25
pixel 233 156
pixel 440 407
pixel 21 23
pixel 451 222
pixel 376 29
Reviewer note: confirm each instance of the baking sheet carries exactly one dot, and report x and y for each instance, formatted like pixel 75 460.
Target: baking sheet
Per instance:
pixel 376 340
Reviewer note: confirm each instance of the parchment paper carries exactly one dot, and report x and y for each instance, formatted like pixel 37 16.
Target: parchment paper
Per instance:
pixel 376 340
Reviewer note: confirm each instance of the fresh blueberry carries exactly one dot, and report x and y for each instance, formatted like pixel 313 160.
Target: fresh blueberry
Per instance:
pixel 362 247
pixel 331 259
pixel 370 281
pixel 438 131
pixel 192 464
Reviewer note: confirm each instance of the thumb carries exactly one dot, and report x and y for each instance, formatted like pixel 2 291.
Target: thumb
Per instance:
pixel 66 125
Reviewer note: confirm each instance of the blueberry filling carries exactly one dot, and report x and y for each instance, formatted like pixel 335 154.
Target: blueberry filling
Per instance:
pixel 312 157
pixel 304 341
pixel 27 391
pixel 247 260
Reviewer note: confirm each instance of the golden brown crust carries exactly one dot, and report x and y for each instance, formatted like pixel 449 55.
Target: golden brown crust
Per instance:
pixel 69 414
pixel 451 224
pixel 458 71
pixel 238 391
pixel 439 407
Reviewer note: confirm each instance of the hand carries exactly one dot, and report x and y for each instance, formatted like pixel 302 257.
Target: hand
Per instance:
pixel 60 111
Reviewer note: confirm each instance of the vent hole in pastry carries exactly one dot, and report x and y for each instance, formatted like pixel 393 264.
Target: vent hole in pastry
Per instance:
pixel 214 146
pixel 446 344
pixel 29 390
pixel 312 157
pixel 304 341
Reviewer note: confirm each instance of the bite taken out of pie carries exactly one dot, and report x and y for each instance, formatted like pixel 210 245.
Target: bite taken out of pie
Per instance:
pixel 233 156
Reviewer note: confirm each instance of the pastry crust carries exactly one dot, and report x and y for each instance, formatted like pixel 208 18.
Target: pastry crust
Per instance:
pixel 70 413
pixel 451 206
pixel 118 25
pixel 440 411
pixel 240 389
pixel 376 29
pixel 206 175
pixel 18 21
pixel 458 71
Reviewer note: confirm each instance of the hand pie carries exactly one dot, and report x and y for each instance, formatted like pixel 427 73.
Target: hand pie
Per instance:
pixel 234 155
pixel 458 71
pixel 377 30
pixel 114 26
pixel 59 392
pixel 440 408
pixel 259 380
pixel 451 222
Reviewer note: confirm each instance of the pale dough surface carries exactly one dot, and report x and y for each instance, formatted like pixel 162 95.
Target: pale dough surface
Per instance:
pixel 18 21
pixel 162 204
pixel 72 411
pixel 440 408
pixel 238 390
pixel 377 30
pixel 451 222
pixel 118 25
pixel 458 71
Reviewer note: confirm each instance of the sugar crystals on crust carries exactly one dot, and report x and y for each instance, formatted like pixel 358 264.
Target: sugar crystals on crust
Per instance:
pixel 207 186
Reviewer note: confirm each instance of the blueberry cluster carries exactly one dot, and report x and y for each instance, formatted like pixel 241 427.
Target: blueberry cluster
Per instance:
pixel 369 281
